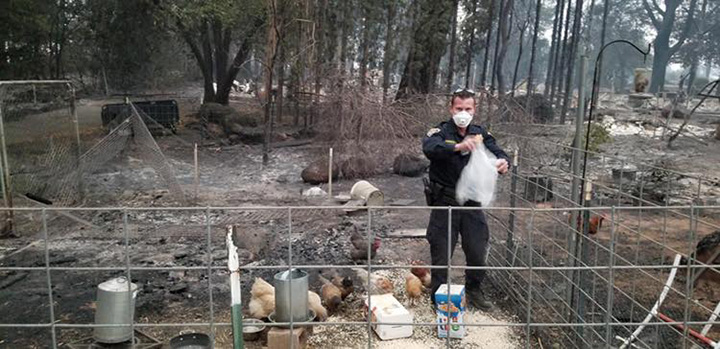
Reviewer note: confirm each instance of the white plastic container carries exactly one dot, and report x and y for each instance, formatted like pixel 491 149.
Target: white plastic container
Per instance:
pixel 385 308
pixel 450 312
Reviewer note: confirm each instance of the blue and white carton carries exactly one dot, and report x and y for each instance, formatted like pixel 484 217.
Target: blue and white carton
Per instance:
pixel 450 311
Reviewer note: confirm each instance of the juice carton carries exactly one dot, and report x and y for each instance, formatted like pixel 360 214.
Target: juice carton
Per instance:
pixel 450 311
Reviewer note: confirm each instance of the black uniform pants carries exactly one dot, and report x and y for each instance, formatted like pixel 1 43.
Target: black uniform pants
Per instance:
pixel 472 228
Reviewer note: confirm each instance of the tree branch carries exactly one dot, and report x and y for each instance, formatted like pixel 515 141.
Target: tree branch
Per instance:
pixel 657 8
pixel 650 13
pixel 686 29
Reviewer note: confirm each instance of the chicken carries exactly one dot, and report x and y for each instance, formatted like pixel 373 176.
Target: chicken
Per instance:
pixel 331 294
pixel 596 222
pixel 345 284
pixel 315 304
pixel 262 299
pixel 422 273
pixel 360 247
pixel 378 284
pixel 413 287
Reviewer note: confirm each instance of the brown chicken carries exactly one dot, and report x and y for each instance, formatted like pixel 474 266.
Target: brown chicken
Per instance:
pixel 315 303
pixel 378 284
pixel 413 287
pixel 596 222
pixel 331 294
pixel 360 247
pixel 422 273
pixel 262 299
pixel 345 284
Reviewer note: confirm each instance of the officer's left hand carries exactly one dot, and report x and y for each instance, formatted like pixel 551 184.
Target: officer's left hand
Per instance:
pixel 502 166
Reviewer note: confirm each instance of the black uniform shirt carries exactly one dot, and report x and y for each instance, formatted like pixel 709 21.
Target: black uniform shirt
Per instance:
pixel 446 164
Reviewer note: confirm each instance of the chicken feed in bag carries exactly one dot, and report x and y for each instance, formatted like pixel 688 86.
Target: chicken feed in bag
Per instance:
pixel 477 180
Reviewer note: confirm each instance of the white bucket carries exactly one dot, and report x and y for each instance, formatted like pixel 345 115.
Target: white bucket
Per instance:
pixel 367 192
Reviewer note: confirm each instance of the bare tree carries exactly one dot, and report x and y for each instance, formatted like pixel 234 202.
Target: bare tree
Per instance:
pixel 488 40
pixel 505 27
pixel 572 55
pixel 453 39
pixel 664 21
pixel 531 77
pixel 549 76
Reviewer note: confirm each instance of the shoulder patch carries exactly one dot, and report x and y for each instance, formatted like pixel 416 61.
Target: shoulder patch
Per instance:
pixel 433 131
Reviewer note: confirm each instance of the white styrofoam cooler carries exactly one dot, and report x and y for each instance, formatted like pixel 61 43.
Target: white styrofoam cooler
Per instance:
pixel 385 308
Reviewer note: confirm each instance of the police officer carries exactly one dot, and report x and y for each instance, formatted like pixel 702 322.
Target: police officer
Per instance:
pixel 448 146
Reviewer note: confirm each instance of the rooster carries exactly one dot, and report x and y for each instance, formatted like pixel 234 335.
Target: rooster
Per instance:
pixel 360 247
pixel 413 287
pixel 378 284
pixel 422 273
pixel 262 299
pixel 331 294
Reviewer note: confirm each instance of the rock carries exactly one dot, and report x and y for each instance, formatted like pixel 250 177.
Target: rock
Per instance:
pixel 215 130
pixel 679 113
pixel 314 192
pixel 358 167
pixel 227 117
pixel 317 172
pixel 410 165
pixel 178 288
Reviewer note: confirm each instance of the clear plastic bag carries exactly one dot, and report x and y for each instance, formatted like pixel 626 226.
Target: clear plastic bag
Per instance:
pixel 478 178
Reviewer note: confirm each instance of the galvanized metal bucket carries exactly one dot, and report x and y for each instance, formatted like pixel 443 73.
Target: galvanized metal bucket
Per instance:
pixel 292 284
pixel 115 306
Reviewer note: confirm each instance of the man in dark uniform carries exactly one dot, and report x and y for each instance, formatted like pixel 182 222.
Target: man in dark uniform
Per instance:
pixel 448 146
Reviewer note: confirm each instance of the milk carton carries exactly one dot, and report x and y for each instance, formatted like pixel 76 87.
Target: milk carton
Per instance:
pixel 450 311
pixel 387 309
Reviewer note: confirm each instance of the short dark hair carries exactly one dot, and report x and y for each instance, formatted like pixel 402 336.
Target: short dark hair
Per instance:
pixel 462 94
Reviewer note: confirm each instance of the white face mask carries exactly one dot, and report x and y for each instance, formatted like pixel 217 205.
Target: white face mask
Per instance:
pixel 462 119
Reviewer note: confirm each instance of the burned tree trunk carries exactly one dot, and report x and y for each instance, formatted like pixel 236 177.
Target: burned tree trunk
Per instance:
pixel 549 77
pixel 661 45
pixel 571 59
pixel 487 44
pixel 531 79
pixel 453 39
pixel 429 42
pixel 505 27
pixel 388 52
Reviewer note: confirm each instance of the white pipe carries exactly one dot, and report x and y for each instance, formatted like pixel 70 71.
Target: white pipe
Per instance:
pixel 655 307
pixel 234 268
pixel 330 174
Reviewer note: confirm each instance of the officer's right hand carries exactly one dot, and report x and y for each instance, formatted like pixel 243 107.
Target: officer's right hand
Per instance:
pixel 469 143
pixel 466 145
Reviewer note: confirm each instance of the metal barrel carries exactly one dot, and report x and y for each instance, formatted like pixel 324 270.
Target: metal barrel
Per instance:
pixel 115 307
pixel 291 284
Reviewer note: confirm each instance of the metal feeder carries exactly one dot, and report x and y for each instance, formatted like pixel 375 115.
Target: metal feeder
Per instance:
pixel 115 306
pixel 291 284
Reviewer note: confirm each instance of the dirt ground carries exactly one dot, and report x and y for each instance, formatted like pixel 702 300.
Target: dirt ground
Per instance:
pixel 234 176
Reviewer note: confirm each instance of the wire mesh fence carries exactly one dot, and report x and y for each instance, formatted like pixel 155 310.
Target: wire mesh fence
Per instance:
pixel 613 287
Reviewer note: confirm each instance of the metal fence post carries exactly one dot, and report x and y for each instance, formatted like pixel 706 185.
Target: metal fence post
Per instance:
pixel 5 180
pixel 76 123
pixel 510 243
pixel 575 194
pixel 611 281
pixel 583 252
